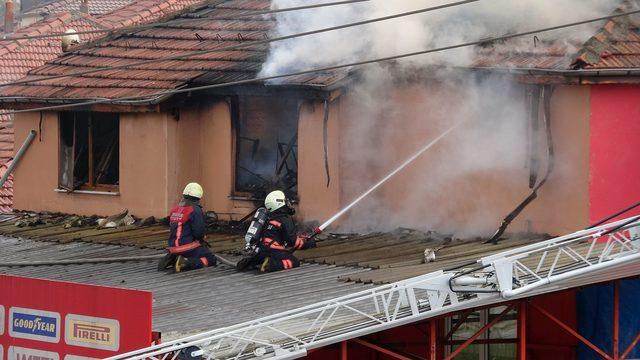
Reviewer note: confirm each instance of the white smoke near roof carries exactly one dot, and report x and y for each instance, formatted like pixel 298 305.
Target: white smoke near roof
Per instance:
pixel 472 179
pixel 474 21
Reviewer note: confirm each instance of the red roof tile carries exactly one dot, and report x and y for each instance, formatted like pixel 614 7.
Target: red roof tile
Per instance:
pixel 6 192
pixel 17 57
pixel 207 27
pixel 616 45
pixel 96 7
pixel 217 25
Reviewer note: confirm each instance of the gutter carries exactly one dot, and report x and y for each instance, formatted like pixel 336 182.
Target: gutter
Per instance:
pixel 621 72
pixel 566 73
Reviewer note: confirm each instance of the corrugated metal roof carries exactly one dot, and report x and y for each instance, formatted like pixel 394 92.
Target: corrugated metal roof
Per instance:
pixel 398 256
pixel 186 302
pixel 217 297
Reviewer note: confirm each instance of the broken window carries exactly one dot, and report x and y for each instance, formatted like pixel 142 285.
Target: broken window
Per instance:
pixel 89 151
pixel 266 145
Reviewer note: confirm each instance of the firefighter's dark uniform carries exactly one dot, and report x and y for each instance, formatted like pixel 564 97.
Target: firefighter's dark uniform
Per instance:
pixel 278 237
pixel 187 233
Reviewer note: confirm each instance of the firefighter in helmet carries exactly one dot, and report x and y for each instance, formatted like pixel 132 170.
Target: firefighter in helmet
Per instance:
pixel 187 248
pixel 277 239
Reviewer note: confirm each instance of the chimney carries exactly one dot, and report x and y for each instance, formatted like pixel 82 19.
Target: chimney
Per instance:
pixel 84 6
pixel 8 16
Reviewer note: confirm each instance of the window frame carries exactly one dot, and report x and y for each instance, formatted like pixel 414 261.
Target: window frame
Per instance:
pixel 91 186
pixel 238 106
pixel 485 316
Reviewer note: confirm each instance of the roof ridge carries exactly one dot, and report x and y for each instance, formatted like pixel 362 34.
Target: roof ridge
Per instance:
pixel 155 8
pixel 40 27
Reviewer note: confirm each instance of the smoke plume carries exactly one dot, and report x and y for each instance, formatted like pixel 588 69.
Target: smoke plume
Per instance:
pixel 474 21
pixel 471 180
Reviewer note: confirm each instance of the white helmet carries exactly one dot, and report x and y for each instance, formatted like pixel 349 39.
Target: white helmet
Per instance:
pixel 275 200
pixel 193 190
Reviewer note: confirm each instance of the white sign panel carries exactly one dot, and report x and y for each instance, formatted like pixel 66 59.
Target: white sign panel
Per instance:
pixel 19 353
pixel 1 322
pixel 92 332
pixel 34 324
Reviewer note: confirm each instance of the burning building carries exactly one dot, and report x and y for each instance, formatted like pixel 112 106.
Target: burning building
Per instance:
pixel 539 120
pixel 325 136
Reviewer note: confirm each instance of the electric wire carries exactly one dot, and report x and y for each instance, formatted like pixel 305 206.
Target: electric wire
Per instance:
pixel 242 45
pixel 180 21
pixel 149 97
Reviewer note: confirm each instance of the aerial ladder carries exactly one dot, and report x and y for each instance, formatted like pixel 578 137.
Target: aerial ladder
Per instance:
pixel 597 254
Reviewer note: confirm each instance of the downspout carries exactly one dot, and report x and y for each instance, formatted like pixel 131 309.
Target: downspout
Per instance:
pixel 19 154
pixel 325 140
pixel 546 98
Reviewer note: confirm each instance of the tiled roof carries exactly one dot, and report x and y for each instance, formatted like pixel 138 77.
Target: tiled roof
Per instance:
pixel 145 11
pixel 205 28
pixel 17 57
pixel 616 45
pixel 540 56
pixel 96 7
pixel 6 192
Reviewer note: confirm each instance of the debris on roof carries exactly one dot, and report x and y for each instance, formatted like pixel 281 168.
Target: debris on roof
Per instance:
pixel 398 256
pixel 391 256
pixel 341 264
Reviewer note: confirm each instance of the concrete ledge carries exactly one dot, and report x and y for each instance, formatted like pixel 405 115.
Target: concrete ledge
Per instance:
pixel 91 192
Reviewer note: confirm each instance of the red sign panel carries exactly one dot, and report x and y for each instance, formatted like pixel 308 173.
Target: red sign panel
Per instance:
pixel 54 320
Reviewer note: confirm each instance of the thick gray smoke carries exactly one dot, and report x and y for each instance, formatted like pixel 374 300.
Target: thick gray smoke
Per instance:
pixel 466 184
pixel 449 26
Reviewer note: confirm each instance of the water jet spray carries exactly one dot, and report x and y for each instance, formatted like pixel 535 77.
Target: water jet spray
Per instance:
pixel 411 159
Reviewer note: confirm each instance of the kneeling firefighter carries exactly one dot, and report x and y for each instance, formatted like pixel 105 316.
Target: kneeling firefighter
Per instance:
pixel 187 248
pixel 271 238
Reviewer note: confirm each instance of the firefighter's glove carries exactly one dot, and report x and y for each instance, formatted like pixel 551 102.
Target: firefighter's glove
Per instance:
pixel 303 241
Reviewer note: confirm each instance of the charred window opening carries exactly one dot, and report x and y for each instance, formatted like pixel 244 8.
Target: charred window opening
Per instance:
pixel 89 151
pixel 266 145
